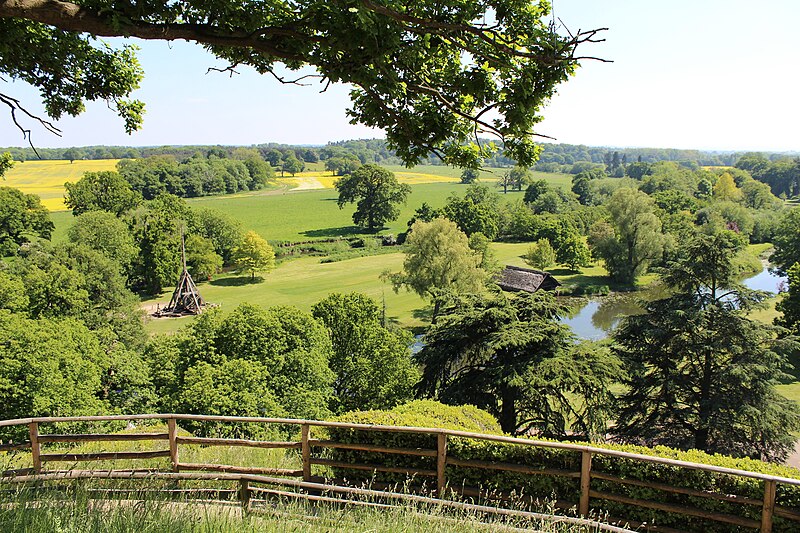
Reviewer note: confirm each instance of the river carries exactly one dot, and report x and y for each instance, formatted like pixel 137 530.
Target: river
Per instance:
pixel 596 318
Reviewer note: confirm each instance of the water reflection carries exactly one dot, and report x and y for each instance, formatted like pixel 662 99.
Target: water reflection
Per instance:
pixel 766 280
pixel 595 319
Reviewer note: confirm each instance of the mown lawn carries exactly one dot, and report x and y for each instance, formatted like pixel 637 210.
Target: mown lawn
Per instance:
pixel 305 281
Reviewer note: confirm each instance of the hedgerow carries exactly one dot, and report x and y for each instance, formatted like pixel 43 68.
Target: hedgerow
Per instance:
pixel 533 488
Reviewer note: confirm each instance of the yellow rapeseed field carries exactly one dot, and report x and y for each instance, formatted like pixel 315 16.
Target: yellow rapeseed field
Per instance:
pixel 324 180
pixel 47 178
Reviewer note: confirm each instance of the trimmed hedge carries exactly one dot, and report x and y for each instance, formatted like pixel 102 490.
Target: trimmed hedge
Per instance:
pixel 547 487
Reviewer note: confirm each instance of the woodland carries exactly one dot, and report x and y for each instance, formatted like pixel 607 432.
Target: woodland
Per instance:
pixel 693 371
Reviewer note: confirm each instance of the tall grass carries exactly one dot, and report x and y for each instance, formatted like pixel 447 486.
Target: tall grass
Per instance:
pixel 79 508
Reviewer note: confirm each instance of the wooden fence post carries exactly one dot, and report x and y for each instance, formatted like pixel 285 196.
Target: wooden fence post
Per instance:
pixel 33 428
pixel 172 427
pixel 305 431
pixel 441 464
pixel 244 495
pixel 586 478
pixel 769 505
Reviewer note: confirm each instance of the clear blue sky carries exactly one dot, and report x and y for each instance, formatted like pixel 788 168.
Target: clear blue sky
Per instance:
pixel 707 74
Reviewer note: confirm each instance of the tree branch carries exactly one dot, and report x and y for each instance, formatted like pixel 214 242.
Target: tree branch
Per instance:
pixel 72 17
pixel 14 106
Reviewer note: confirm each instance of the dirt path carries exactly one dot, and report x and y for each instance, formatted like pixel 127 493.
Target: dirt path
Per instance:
pixel 305 184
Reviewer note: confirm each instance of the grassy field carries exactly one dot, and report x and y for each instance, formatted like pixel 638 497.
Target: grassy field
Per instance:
pixel 308 214
pixel 305 281
pixel 47 178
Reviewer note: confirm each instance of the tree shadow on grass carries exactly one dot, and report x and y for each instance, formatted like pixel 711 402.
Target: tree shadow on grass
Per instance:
pixel 426 313
pixel 342 231
pixel 238 281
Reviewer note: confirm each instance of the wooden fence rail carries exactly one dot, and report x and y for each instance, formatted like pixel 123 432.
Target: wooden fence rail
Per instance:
pixel 306 446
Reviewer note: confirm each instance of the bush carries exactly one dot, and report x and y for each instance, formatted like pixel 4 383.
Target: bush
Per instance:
pixel 547 487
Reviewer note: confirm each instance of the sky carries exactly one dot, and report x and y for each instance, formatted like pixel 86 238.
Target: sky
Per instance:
pixel 703 74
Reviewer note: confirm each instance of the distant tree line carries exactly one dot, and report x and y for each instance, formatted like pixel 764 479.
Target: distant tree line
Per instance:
pixel 198 175
pixel 568 158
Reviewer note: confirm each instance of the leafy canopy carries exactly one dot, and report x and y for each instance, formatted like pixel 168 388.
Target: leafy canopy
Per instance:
pixel 702 374
pixel 427 72
pixel 372 363
pixel 378 194
pixel 512 357
pixel 254 254
pixel 105 191
pixel 439 259
pixel 22 216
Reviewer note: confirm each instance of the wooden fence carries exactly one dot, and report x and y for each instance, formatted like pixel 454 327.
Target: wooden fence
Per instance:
pixel 307 446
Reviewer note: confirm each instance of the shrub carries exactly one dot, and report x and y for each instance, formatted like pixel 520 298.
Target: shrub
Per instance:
pixel 565 489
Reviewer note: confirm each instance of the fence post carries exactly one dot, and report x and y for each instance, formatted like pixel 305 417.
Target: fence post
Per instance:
pixel 586 478
pixel 33 428
pixel 305 430
pixel 441 464
pixel 244 495
pixel 769 505
pixel 172 428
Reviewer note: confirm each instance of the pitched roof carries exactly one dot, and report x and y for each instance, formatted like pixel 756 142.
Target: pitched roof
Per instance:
pixel 514 278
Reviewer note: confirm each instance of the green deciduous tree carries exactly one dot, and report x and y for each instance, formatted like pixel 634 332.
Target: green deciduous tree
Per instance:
pixel 372 363
pixel 201 259
pixel 22 216
pixel 6 163
pixel 377 192
pixel 476 212
pixel 342 166
pixel 58 367
pixel 292 165
pixel 540 254
pixel 235 387
pixel 426 73
pixel 287 350
pixel 224 231
pixel 104 232
pixel 254 254
pixel 573 251
pixel 787 241
pixel 789 305
pixel 633 239
pixel 701 374
pixel 439 259
pixel 726 190
pixel 512 357
pixel 469 175
pixel 157 227
pixel 106 191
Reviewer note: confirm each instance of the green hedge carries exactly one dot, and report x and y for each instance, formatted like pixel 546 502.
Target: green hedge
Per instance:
pixel 542 487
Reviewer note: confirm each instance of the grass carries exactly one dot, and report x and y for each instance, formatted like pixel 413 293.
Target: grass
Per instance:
pixel 46 178
pixel 72 509
pixel 77 506
pixel 305 281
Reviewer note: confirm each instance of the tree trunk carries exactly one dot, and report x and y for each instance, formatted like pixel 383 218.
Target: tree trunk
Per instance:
pixel 508 412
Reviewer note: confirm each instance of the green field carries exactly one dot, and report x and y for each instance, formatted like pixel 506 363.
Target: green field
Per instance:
pixel 285 215
pixel 305 281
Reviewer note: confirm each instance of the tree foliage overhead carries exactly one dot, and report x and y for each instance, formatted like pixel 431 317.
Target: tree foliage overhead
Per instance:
pixel 426 72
